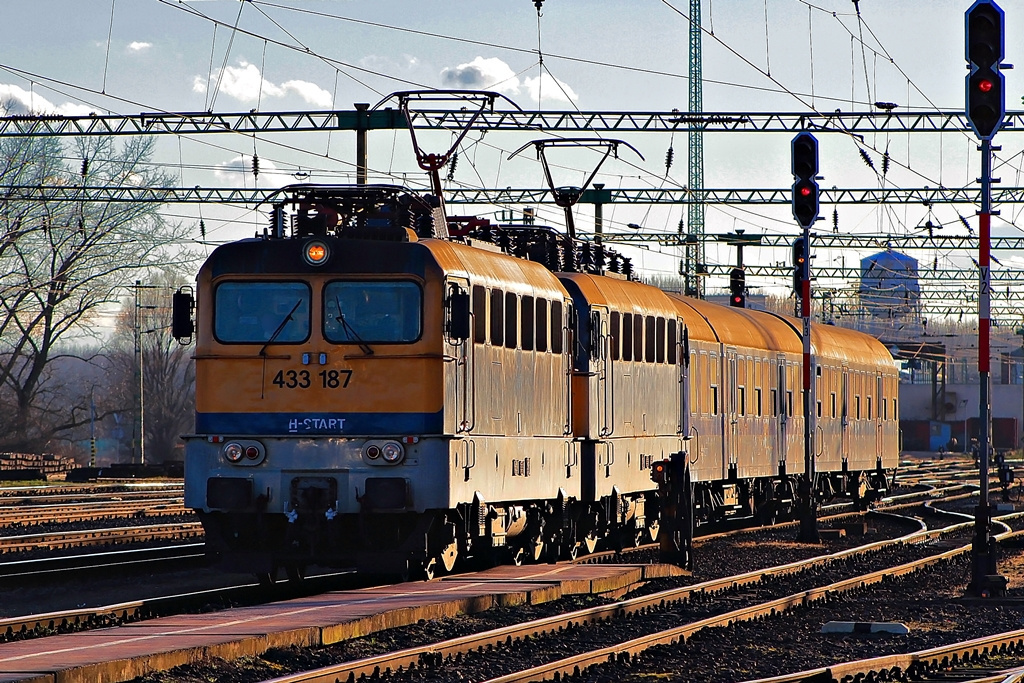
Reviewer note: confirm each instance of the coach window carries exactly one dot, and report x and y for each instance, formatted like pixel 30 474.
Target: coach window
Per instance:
pixel 650 339
pixel 497 317
pixel 856 406
pixel 261 312
pixel 659 336
pixel 526 323
pixel 372 311
pixel 672 354
pixel 833 395
pixel 627 336
pixel 714 400
pixel 741 400
pixel 510 320
pixel 757 399
pixel 479 314
pixel 556 327
pixel 614 326
pixel 789 403
pixel 638 338
pixel 542 324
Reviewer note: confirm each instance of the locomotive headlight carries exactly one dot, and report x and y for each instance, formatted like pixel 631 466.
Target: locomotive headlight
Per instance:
pixel 373 452
pixel 234 452
pixel 316 253
pixel 392 452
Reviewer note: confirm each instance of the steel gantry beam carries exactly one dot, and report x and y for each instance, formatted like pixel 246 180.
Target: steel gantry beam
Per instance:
pixel 194 123
pixel 170 195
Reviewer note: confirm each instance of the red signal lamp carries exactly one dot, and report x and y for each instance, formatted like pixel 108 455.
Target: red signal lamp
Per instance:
pixel 806 191
pixel 985 85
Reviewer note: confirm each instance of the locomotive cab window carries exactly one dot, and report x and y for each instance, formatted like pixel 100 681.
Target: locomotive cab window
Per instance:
pixel 261 312
pixel 378 311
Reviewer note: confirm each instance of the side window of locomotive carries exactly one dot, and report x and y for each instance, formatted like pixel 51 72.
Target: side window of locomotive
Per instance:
pixel 614 334
pixel 510 320
pixel 378 311
pixel 557 327
pixel 542 324
pixel 479 314
pixel 526 323
pixel 497 317
pixel 261 312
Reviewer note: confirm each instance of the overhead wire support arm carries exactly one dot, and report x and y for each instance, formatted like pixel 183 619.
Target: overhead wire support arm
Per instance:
pixel 195 123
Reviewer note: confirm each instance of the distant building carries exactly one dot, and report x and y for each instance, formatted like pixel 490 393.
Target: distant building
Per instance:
pixel 889 287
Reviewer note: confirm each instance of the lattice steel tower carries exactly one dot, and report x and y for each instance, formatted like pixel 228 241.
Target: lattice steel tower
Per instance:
pixel 694 264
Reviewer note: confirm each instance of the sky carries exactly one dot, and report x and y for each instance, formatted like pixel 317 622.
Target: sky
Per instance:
pixel 74 57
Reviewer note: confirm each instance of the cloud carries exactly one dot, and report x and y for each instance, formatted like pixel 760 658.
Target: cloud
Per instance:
pixel 482 74
pixel 139 46
pixel 245 83
pixel 551 89
pixel 17 101
pixel 491 73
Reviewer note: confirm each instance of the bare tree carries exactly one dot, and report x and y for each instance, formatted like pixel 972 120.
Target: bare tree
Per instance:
pixel 60 262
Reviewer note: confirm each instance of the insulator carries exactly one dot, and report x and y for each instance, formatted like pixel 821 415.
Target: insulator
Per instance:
pixel 255 165
pixel 669 155
pixel 452 163
pixel 202 228
pixel 966 224
pixel 85 166
pixel 835 220
pixel 885 162
pixel 867 159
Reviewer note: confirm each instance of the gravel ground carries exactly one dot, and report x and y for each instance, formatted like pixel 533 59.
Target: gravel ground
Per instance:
pixel 721 557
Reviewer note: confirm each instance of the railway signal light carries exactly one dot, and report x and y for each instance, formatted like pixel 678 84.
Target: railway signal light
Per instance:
pixel 799 263
pixel 737 288
pixel 660 471
pixel 986 95
pixel 805 174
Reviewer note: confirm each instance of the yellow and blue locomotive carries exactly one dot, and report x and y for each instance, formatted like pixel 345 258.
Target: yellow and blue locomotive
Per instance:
pixel 373 392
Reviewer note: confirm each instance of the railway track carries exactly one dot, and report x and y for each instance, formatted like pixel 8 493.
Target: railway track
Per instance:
pixel 478 656
pixel 63 540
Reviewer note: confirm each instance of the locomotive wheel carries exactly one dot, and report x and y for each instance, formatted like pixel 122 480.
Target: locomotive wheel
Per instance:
pixel 267 579
pixel 448 555
pixel 295 573
pixel 518 557
pixel 652 530
pixel 590 542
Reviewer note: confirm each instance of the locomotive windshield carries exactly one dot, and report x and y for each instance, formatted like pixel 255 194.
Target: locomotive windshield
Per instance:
pixel 372 311
pixel 262 312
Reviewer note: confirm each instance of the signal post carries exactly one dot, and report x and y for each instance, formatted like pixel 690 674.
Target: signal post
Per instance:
pixel 985 109
pixel 805 211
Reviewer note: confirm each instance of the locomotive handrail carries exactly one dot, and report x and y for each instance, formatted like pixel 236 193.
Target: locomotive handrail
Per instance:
pixel 219 356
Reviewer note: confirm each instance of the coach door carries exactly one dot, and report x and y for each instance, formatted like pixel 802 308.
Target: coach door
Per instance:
pixel 601 394
pixel 779 409
pixel 845 423
pixel 875 413
pixel 682 359
pixel 459 331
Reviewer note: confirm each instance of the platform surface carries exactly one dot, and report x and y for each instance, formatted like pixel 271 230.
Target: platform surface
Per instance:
pixel 119 654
